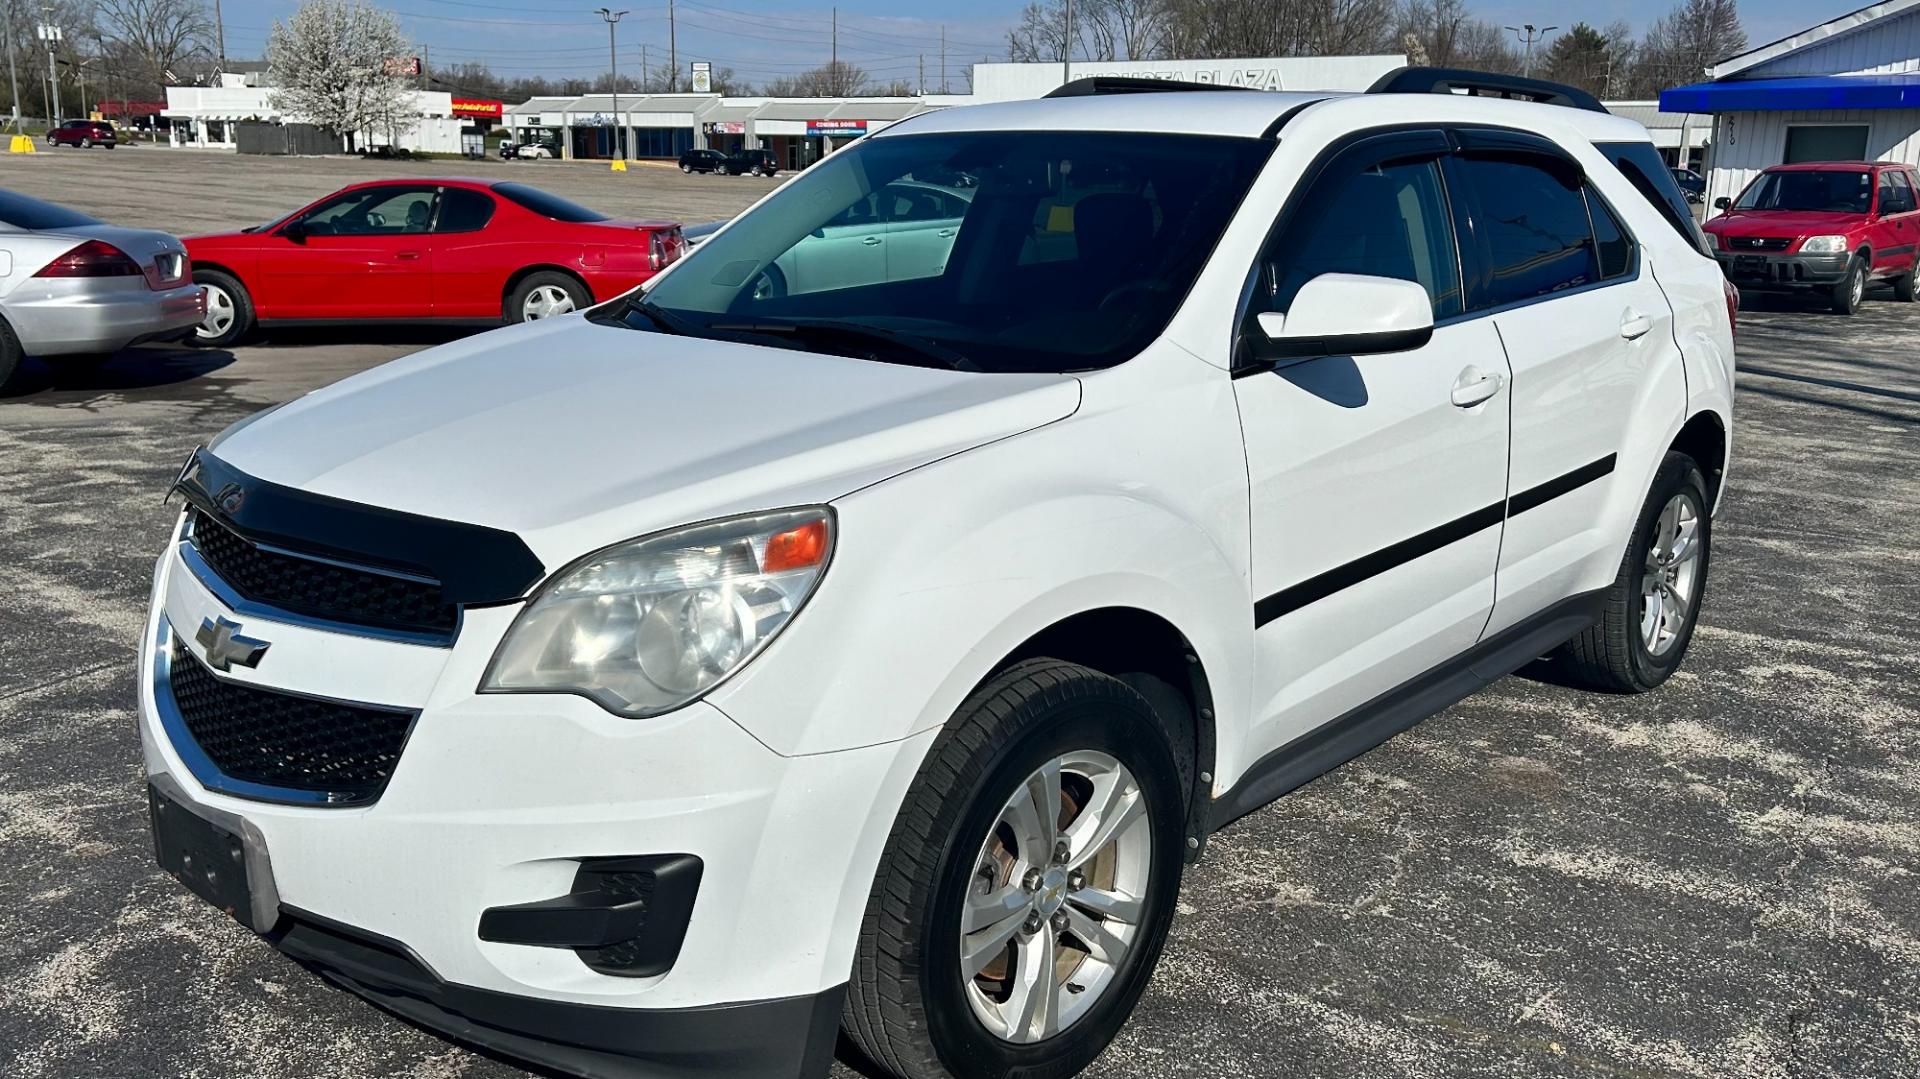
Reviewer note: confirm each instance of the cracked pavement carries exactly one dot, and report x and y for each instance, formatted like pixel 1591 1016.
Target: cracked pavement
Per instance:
pixel 1715 879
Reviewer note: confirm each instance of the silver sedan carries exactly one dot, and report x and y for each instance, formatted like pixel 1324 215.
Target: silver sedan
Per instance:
pixel 74 287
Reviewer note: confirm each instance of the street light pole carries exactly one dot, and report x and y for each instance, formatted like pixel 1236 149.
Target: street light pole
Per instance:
pixel 1066 50
pixel 1530 36
pixel 613 63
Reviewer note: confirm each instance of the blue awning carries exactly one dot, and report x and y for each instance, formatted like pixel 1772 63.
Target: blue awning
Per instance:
pixel 1900 91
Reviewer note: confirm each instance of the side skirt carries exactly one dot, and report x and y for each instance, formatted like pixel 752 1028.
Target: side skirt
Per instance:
pixel 1333 744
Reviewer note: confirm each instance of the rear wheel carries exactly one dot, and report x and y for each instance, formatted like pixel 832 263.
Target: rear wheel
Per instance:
pixel 1649 613
pixel 1852 288
pixel 10 355
pixel 544 295
pixel 1027 886
pixel 86 142
pixel 688 169
pixel 51 141
pixel 229 316
pixel 1904 285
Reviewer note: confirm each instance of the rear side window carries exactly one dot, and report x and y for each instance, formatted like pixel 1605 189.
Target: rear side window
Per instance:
pixel 546 205
pixel 1640 163
pixel 462 210
pixel 1903 194
pixel 1539 238
pixel 23 212
pixel 1611 239
pixel 1384 220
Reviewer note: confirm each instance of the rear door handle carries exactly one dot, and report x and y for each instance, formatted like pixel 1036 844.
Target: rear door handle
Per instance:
pixel 1474 386
pixel 1634 325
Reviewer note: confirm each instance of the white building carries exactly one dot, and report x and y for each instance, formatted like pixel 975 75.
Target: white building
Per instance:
pixel 205 117
pixel 1845 90
pixel 801 130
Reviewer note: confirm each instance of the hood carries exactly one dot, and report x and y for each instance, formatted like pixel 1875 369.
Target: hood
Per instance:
pixel 1792 223
pixel 576 435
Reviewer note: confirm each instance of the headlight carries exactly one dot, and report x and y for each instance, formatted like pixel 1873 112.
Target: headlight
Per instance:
pixel 1824 245
pixel 646 626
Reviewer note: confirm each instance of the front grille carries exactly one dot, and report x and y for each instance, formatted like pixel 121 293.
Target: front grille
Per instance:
pixel 255 735
pixel 631 955
pixel 1758 243
pixel 322 589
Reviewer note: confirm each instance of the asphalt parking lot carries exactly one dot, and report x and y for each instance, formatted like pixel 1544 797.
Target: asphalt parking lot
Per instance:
pixel 1717 879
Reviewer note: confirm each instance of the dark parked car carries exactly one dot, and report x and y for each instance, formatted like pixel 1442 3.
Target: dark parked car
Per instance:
pixel 84 133
pixel 752 162
pixel 703 161
pixel 528 151
pixel 1692 184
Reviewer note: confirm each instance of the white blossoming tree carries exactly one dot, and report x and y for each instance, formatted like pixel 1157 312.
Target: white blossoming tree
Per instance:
pixel 339 64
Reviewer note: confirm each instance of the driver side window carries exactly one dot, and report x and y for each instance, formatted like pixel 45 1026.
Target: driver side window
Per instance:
pixel 379 211
pixel 1382 219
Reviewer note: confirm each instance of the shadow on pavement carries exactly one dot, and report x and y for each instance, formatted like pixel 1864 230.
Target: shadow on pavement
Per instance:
pixel 129 369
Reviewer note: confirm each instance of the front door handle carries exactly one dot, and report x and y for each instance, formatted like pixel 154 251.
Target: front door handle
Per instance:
pixel 945 233
pixel 1634 325
pixel 871 241
pixel 1474 386
pixel 404 256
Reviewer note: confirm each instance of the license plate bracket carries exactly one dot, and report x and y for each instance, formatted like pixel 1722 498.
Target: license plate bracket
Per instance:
pixel 218 856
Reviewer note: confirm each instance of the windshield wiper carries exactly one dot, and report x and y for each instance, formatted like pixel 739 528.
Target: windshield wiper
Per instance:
pixel 661 318
pixel 923 347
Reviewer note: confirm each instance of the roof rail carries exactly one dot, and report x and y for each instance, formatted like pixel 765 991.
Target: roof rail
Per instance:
pixel 1451 80
pixel 1122 84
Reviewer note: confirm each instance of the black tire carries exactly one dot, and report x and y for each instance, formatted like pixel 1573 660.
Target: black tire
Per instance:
pixel 1612 655
pixel 86 142
pixel 1904 286
pixel 51 141
pixel 688 169
pixel 907 1005
pixel 10 355
pixel 1851 289
pixel 243 317
pixel 515 309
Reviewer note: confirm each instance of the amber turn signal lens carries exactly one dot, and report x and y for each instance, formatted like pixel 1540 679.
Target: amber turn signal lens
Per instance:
pixel 796 548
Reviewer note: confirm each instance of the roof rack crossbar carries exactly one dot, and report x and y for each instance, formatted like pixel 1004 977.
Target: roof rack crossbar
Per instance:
pixel 1123 84
pixel 1449 80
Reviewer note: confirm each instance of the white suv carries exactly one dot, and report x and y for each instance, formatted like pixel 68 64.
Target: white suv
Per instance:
pixel 829 640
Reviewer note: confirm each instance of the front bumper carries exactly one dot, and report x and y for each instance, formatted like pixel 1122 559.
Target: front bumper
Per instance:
pixel 1769 271
pixel 59 316
pixel 497 800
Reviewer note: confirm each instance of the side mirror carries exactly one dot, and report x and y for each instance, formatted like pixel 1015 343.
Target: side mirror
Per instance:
pixel 1343 314
pixel 295 231
pixel 1722 203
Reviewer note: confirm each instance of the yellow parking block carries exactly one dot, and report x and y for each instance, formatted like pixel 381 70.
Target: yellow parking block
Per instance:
pixel 619 165
pixel 21 144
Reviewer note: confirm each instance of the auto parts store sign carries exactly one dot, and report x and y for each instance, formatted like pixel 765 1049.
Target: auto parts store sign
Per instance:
pixel 837 128
pixel 478 108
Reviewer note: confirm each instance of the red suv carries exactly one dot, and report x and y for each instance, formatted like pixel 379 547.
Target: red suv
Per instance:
pixel 1824 227
pixel 84 133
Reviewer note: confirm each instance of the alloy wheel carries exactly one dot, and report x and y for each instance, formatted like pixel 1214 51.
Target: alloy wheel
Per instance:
pixel 546 302
pixel 220 312
pixel 1670 580
pixel 1056 899
pixel 1857 286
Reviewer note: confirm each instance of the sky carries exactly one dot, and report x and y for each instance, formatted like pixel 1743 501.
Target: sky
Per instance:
pixel 764 40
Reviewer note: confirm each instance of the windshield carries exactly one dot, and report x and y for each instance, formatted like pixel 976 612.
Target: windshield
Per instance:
pixel 1010 251
pixel 1840 191
pixel 546 205
pixel 22 212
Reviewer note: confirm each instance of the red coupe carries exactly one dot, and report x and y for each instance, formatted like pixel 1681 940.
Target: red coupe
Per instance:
pixel 424 251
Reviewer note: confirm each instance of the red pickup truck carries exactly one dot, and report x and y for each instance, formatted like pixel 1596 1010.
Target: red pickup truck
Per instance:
pixel 1822 227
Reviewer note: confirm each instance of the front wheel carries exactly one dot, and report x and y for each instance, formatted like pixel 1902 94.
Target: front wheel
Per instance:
pixel 1028 883
pixel 1852 288
pixel 86 143
pixel 1649 613
pixel 688 169
pixel 544 295
pixel 1904 285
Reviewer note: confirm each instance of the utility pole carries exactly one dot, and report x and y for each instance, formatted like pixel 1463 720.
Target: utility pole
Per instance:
pixel 426 65
pixel 49 32
pixel 645 75
pixel 943 58
pixel 1066 49
pixel 220 35
pixel 833 66
pixel 1526 32
pixel 13 74
pixel 613 77
pixel 922 84
pixel 673 52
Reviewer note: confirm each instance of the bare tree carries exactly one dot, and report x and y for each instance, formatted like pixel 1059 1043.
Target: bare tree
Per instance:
pixel 1681 45
pixel 338 63
pixel 154 37
pixel 1445 33
pixel 838 79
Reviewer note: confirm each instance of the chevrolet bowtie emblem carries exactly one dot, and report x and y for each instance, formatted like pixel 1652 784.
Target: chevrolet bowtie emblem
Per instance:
pixel 225 647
